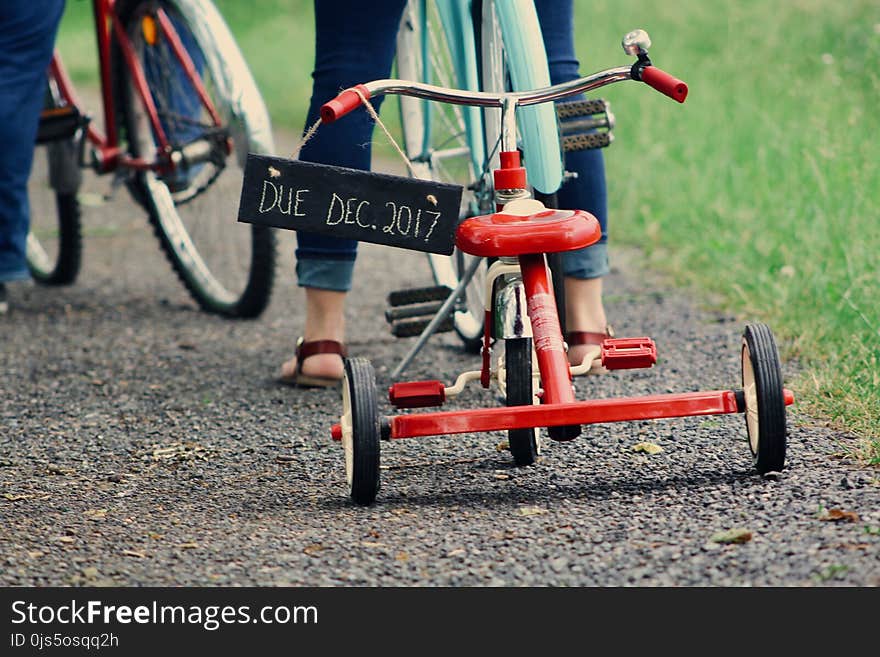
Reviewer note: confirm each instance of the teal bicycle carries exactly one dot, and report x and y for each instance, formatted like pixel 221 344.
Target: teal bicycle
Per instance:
pixel 478 46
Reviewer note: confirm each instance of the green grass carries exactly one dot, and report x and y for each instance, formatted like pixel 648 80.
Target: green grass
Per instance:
pixel 761 194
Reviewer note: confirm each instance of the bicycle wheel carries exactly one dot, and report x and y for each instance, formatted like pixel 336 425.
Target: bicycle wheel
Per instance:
pixel 445 142
pixel 518 368
pixel 227 267
pixel 54 243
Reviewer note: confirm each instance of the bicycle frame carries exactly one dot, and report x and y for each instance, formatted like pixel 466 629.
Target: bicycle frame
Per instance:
pixel 109 155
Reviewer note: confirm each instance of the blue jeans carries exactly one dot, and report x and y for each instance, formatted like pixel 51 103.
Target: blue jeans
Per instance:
pixel 355 43
pixel 27 37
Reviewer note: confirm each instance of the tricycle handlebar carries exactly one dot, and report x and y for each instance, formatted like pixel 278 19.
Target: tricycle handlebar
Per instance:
pixel 664 83
pixel 635 42
pixel 344 103
pixel 349 99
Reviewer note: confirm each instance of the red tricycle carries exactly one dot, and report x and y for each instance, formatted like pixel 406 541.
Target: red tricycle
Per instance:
pixel 531 367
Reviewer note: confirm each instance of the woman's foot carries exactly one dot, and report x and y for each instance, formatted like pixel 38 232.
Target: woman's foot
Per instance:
pixel 320 352
pixel 317 363
pixel 587 344
pixel 585 319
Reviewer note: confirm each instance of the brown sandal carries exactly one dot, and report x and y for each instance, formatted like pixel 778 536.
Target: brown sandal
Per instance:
pixel 305 350
pixel 577 338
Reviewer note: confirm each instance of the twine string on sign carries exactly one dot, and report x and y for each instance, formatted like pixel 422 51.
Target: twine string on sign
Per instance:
pixel 302 142
pixel 375 116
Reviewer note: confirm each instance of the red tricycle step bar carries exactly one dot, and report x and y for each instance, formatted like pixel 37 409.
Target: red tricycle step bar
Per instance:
pixel 596 411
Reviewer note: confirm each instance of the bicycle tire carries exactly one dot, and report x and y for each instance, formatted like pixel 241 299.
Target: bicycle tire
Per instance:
pixel 523 443
pixel 480 34
pixel 54 242
pixel 444 142
pixel 227 267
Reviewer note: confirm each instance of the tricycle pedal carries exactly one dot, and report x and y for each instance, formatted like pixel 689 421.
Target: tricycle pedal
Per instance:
pixel 417 394
pixel 628 353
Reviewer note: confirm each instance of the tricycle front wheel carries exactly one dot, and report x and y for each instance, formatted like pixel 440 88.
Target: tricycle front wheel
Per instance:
pixel 518 367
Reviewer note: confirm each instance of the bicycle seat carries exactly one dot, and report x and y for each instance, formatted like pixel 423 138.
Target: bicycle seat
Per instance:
pixel 527 226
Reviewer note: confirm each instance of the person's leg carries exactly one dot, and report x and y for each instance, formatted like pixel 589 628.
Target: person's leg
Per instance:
pixel 584 268
pixel 354 43
pixel 27 37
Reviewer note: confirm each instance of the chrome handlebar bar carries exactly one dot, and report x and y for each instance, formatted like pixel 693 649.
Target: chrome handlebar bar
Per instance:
pixel 635 43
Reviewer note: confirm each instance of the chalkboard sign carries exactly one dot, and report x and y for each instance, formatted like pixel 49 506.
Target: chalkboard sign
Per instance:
pixel 370 207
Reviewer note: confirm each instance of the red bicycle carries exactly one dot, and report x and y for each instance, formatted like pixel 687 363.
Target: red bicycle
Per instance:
pixel 532 370
pixel 180 112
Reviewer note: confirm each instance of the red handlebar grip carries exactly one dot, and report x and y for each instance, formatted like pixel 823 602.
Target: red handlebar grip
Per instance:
pixel 344 103
pixel 665 83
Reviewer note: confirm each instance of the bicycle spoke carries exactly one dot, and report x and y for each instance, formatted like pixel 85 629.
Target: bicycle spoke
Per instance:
pixel 228 267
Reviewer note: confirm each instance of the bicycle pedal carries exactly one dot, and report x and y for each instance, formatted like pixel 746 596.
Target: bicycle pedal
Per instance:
pixel 586 141
pixel 410 327
pixel 585 124
pixel 412 310
pixel 60 123
pixel 575 108
pixel 628 353
pixel 419 295
pixel 564 433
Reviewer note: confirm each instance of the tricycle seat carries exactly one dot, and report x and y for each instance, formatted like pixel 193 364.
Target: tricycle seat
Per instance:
pixel 527 226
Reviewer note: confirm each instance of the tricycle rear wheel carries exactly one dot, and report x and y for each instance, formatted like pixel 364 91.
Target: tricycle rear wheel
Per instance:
pixel 360 430
pixel 764 398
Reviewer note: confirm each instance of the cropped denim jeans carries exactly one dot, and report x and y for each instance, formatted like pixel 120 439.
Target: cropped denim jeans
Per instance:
pixel 355 43
pixel 27 38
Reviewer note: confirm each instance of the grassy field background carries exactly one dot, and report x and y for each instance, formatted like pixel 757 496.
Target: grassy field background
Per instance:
pixel 761 194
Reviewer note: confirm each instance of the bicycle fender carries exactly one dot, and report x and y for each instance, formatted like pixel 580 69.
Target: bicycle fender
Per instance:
pixel 457 22
pixel 511 319
pixel 527 62
pixel 236 86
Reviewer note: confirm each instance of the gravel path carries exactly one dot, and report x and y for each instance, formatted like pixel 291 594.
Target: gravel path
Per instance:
pixel 145 443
